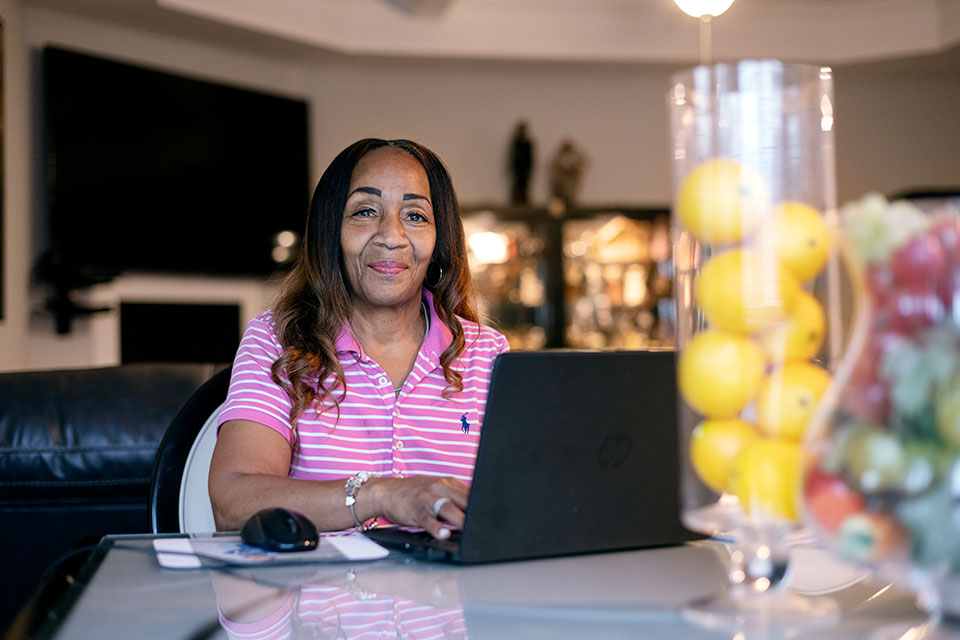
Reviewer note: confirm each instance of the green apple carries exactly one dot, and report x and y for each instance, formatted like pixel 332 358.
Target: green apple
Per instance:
pixel 875 460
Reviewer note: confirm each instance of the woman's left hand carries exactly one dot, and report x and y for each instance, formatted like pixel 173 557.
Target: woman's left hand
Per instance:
pixel 436 505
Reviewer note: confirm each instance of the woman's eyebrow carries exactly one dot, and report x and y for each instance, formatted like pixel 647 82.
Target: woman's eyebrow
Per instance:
pixel 371 190
pixel 376 192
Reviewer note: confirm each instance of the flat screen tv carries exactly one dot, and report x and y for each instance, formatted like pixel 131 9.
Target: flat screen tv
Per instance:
pixel 155 172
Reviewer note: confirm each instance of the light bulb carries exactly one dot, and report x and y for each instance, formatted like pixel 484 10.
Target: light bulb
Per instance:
pixel 700 8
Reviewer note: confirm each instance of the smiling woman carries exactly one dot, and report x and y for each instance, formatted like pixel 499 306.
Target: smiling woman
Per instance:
pixel 349 398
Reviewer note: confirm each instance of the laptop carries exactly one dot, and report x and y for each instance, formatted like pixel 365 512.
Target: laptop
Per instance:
pixel 578 453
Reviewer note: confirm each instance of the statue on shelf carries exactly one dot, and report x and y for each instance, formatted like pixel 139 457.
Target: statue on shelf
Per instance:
pixel 566 173
pixel 521 164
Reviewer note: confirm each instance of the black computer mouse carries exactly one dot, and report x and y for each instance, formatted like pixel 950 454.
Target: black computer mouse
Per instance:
pixel 278 529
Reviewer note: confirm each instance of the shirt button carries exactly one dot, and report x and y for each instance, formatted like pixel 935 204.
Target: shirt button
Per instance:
pixel 382 380
pixel 398 444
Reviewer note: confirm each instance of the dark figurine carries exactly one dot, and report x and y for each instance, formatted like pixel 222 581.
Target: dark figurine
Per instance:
pixel 521 164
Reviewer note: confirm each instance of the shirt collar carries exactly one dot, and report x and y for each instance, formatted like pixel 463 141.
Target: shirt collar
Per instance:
pixel 439 336
pixel 437 340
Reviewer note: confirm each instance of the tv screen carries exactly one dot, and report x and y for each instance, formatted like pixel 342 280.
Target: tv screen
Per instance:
pixel 156 172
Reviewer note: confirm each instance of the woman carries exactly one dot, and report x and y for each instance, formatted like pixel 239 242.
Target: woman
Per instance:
pixel 360 395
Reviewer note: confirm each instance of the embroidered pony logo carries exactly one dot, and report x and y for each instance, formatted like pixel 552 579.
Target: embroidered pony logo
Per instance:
pixel 464 425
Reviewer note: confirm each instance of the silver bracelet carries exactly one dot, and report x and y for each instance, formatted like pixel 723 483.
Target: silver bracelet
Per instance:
pixel 353 485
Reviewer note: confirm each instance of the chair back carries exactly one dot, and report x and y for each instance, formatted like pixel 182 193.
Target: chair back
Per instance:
pixel 196 514
pixel 179 501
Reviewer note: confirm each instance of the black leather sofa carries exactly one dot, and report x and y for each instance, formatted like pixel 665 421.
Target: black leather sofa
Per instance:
pixel 77 449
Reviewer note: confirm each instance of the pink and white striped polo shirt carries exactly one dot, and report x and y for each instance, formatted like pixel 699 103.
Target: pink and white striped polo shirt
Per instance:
pixel 419 432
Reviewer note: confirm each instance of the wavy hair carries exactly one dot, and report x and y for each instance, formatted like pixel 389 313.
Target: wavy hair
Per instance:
pixel 314 301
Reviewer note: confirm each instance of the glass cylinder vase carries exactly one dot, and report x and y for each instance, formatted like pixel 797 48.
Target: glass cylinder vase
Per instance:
pixel 759 311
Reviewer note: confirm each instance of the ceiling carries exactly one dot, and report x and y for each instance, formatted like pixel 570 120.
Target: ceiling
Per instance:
pixel 874 36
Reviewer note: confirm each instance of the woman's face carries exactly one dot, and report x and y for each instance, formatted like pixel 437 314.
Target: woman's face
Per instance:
pixel 388 231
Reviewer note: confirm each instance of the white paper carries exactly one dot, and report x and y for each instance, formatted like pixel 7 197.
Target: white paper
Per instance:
pixel 356 546
pixel 180 552
pixel 178 558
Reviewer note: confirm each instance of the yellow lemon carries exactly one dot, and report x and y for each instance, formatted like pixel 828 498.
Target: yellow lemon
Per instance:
pixel 720 201
pixel 787 398
pixel 714 447
pixel 719 372
pixel 800 336
pixel 743 290
pixel 801 237
pixel 766 478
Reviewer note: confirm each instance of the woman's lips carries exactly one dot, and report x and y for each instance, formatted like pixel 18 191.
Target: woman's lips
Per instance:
pixel 387 268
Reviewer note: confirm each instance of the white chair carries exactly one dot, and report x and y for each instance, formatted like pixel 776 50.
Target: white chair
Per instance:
pixel 179 501
pixel 196 514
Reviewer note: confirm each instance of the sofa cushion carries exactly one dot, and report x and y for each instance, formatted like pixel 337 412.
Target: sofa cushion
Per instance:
pixel 88 433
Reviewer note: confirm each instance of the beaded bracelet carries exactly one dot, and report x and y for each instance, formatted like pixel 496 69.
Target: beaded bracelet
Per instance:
pixel 352 486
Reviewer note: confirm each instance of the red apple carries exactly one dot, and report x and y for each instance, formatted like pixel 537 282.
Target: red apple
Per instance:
pixel 830 500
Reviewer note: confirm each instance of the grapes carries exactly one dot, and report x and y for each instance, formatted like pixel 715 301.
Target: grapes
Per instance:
pixel 880 282
pixel 909 311
pixel 947 232
pixel 947 411
pixel 919 263
pixel 874 227
pixel 866 399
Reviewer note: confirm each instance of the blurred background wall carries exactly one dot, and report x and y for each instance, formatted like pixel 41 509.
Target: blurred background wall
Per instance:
pixel 896 128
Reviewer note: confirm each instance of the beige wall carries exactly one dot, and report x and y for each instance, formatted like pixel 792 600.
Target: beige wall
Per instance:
pixel 896 133
pixel 16 217
pixel 891 133
pixel 466 112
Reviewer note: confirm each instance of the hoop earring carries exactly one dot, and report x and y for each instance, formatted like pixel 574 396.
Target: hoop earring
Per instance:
pixel 434 275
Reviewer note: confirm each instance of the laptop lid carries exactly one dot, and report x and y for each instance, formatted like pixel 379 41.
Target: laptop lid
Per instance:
pixel 578 453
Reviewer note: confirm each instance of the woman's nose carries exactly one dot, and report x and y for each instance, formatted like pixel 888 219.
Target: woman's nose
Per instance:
pixel 390 232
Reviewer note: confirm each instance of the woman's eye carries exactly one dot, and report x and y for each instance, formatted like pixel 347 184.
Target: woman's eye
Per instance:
pixel 415 216
pixel 365 212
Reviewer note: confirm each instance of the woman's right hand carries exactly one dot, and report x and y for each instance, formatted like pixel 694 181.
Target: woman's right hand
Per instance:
pixel 411 501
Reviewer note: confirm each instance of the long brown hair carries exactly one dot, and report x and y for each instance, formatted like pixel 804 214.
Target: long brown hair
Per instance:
pixel 314 301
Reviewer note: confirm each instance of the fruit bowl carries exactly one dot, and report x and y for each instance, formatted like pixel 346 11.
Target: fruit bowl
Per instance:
pixel 882 484
pixel 760 318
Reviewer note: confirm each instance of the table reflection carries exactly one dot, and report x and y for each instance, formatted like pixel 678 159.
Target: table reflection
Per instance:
pixel 612 595
pixel 339 604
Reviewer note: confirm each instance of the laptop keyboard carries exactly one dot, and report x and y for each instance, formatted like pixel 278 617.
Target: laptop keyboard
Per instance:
pixel 424 538
pixel 400 538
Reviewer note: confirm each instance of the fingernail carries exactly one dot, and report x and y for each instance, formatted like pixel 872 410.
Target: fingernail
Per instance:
pixel 444 534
